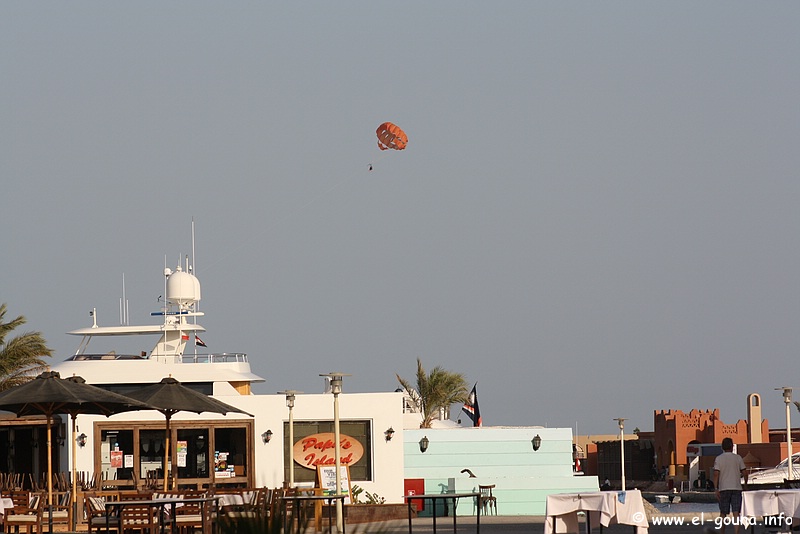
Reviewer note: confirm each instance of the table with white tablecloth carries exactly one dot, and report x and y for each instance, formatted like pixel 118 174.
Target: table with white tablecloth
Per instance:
pixel 783 503
pixel 230 499
pixel 5 502
pixel 602 508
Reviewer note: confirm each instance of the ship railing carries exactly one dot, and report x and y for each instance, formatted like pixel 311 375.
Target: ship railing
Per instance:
pixel 223 357
pixel 108 356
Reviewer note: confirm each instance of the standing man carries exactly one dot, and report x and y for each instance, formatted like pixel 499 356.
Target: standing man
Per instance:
pixel 729 470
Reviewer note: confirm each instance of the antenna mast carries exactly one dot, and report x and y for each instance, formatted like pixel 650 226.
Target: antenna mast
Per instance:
pixel 192 271
pixel 194 260
pixel 123 305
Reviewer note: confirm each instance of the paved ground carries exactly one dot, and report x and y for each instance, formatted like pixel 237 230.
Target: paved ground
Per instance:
pixel 535 525
pixel 518 525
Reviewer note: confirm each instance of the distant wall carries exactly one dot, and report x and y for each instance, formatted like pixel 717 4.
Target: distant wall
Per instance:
pixel 503 456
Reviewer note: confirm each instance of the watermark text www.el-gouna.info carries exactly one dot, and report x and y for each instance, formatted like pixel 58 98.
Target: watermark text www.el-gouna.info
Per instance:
pixel 718 522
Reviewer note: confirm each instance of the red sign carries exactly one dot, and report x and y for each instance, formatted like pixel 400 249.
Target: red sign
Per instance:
pixel 319 449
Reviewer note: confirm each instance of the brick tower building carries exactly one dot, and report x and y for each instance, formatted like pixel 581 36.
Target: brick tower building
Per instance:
pixel 675 430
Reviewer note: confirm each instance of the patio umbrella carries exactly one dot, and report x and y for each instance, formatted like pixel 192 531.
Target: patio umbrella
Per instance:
pixel 169 397
pixel 48 394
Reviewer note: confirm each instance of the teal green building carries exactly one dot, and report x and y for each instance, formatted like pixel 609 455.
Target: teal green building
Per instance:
pixel 524 469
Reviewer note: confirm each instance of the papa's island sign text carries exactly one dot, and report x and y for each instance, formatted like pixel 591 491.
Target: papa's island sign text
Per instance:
pixel 318 449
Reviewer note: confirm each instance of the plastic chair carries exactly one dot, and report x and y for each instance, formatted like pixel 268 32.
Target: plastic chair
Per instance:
pixel 487 501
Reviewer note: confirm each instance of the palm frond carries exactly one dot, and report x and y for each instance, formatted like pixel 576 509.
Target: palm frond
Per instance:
pixel 21 357
pixel 437 391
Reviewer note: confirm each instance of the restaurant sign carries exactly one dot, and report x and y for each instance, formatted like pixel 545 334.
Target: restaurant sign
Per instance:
pixel 318 449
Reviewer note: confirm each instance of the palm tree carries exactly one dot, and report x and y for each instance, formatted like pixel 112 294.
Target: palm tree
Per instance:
pixel 435 391
pixel 21 356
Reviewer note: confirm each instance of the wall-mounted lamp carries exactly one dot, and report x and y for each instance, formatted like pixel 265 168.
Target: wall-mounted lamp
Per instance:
pixel 536 442
pixel 81 440
pixel 266 436
pixel 423 444
pixel 389 433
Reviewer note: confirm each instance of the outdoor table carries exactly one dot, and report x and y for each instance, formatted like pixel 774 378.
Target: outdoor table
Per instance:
pixel 433 497
pixel 605 507
pixel 172 503
pixel 298 499
pixel 230 499
pixel 775 502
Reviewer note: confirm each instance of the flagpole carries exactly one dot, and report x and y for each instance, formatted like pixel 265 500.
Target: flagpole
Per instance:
pixel 471 407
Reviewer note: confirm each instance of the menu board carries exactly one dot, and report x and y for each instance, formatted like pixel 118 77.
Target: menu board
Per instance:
pixel 326 474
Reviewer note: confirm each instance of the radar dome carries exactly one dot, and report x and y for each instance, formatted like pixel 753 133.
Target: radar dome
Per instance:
pixel 183 288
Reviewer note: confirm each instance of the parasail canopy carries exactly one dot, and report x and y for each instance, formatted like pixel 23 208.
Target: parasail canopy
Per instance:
pixel 391 136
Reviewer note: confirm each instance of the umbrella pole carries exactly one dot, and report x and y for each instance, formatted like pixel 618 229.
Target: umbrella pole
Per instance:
pixel 166 458
pixel 74 497
pixel 49 473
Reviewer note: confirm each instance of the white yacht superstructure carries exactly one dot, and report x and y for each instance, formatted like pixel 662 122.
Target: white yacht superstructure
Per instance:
pixel 228 372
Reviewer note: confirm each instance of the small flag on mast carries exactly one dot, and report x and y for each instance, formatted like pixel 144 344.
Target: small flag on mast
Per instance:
pixel 199 342
pixel 471 407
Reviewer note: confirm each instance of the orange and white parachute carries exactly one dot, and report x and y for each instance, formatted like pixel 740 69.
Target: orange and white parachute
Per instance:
pixel 391 136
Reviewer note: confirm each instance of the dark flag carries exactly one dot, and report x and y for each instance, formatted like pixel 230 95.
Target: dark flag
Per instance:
pixel 471 407
pixel 199 342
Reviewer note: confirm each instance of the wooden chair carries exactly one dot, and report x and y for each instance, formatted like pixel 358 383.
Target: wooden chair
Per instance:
pixel 62 508
pixel 257 501
pixel 135 517
pixel 95 509
pixel 28 516
pixel 191 516
pixel 255 515
pixel 152 481
pixel 268 504
pixel 254 503
pixel 303 509
pixel 20 497
pixel 227 507
pixel 260 504
pixel 286 507
pixel 14 481
pixel 487 501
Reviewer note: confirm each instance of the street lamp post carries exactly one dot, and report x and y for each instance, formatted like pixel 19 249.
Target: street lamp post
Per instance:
pixel 787 398
pixel 290 395
pixel 336 389
pixel 621 422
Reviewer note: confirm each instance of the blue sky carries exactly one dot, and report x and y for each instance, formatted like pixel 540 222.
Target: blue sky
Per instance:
pixel 595 217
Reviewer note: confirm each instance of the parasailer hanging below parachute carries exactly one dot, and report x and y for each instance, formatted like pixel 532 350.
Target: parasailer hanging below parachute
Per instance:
pixel 391 136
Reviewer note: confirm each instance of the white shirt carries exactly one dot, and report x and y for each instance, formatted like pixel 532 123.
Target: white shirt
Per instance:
pixel 730 467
